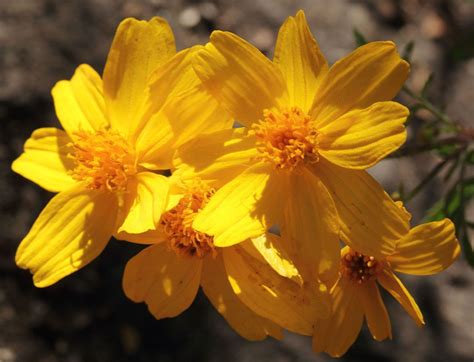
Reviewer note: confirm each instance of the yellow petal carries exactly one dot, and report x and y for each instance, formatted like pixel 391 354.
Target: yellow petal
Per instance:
pixel 138 48
pixel 71 231
pixel 177 110
pixel 361 138
pixel 79 102
pixel 300 60
pixel 427 249
pixel 145 201
pixel 242 319
pixel 240 77
pixel 148 237
pixel 311 227
pixel 270 248
pixel 334 335
pixel 395 287
pixel 372 73
pixel 273 297
pixel 375 311
pixel 243 208
pixel 217 158
pixel 45 160
pixel 371 222
pixel 185 117
pixel 166 283
pixel 154 132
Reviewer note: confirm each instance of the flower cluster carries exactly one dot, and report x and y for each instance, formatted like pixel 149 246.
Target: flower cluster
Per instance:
pixel 255 215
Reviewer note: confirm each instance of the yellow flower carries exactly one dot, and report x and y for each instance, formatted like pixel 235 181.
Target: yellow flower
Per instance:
pixel 310 131
pixel 251 284
pixel 427 249
pixel 117 129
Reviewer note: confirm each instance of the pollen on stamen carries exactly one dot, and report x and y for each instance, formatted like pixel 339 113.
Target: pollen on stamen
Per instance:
pixel 360 268
pixel 103 159
pixel 177 224
pixel 286 138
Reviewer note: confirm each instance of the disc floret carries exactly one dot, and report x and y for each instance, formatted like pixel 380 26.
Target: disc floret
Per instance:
pixel 103 159
pixel 286 138
pixel 176 223
pixel 360 268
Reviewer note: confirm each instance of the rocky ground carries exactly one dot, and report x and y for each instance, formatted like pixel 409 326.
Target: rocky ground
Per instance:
pixel 86 317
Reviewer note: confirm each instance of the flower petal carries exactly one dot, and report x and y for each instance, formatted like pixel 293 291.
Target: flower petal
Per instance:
pixel 371 222
pixel 361 138
pixel 79 102
pixel 71 231
pixel 395 287
pixel 147 238
pixel 153 131
pixel 372 73
pixel 138 48
pixel 45 160
pixel 243 208
pixel 272 296
pixel 334 335
pixel 311 227
pixel 217 157
pixel 269 248
pixel 178 109
pixel 427 249
pixel 300 60
pixel 144 203
pixel 240 77
pixel 166 283
pixel 243 320
pixel 375 311
pixel 185 117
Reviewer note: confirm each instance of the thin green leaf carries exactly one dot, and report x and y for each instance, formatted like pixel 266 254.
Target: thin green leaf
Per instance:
pixel 359 38
pixel 447 150
pixel 427 85
pixel 454 198
pixel 408 50
pixel 450 206
pixel 431 175
pixel 451 170
pixel 470 157
pixel 467 248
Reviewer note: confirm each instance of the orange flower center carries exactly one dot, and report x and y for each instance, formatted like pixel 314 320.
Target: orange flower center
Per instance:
pixel 177 224
pixel 286 138
pixel 360 268
pixel 104 160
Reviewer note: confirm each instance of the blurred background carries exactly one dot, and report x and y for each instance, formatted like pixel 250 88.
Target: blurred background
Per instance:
pixel 86 317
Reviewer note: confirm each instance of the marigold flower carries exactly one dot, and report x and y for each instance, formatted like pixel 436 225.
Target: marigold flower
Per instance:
pixel 426 249
pixel 117 129
pixel 167 274
pixel 310 131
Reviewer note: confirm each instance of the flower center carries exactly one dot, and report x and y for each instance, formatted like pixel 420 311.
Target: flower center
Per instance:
pixel 360 268
pixel 286 138
pixel 104 160
pixel 177 223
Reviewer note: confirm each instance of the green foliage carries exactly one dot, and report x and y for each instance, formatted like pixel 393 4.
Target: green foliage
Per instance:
pixel 453 206
pixel 408 50
pixel 359 38
pixel 450 206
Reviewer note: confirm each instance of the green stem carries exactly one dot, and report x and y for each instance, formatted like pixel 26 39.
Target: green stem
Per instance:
pixel 427 179
pixel 414 150
pixel 430 107
pixel 464 237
